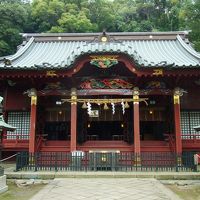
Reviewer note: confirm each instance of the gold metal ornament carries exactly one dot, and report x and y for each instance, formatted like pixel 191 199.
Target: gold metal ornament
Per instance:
pixel 176 99
pixel 84 106
pixel 126 105
pixel 105 106
pixel 104 39
pixel 51 73
pixel 103 101
pixel 158 72
pixel 33 100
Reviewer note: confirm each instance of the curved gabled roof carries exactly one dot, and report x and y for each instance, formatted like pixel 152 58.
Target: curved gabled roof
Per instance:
pixel 145 49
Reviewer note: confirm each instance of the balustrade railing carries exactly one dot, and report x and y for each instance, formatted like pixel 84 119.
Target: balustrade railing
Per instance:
pixel 190 136
pixel 15 136
pixel 172 142
pixel 39 140
pixel 15 140
pixel 105 161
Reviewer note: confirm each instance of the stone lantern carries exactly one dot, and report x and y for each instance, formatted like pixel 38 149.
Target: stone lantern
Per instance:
pixel 3 124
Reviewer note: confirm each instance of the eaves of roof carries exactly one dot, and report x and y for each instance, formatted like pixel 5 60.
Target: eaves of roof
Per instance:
pixel 168 53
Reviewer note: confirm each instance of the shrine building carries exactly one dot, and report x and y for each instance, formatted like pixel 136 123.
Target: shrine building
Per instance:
pixel 126 92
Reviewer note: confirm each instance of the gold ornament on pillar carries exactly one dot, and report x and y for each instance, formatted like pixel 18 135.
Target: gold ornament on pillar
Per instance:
pixel 33 94
pixel 34 100
pixel 178 92
pixel 176 99
pixel 136 93
pixel 74 100
pixel 73 96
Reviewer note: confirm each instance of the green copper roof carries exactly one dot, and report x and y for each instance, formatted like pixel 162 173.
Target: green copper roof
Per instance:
pixel 144 49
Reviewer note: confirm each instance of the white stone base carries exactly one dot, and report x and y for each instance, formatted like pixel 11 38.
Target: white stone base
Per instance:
pixel 3 186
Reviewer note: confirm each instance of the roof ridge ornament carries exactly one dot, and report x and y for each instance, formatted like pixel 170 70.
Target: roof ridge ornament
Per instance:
pixel 104 37
pixel 7 62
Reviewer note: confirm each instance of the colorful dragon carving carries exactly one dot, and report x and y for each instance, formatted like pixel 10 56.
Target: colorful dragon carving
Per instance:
pixel 106 84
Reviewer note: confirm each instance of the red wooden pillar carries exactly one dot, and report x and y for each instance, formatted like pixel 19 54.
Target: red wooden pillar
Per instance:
pixel 136 122
pixel 32 148
pixel 177 120
pixel 73 120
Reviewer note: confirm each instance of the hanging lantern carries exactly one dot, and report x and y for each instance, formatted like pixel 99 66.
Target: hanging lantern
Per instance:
pixel 84 106
pixel 150 112
pixel 105 106
pixel 126 105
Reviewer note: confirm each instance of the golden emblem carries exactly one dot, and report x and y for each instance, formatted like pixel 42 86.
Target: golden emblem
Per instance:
pixel 51 73
pixel 158 72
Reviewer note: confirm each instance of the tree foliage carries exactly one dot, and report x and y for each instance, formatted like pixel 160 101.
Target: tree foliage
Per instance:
pixel 95 16
pixel 190 16
pixel 13 20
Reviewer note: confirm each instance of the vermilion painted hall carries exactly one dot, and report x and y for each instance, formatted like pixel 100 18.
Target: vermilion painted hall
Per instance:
pixel 126 92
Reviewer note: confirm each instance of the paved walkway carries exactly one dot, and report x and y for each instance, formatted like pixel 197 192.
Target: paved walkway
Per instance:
pixel 105 189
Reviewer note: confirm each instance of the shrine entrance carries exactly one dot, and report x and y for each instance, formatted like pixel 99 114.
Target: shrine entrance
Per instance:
pixel 105 130
pixel 106 121
pixel 152 130
pixel 156 118
pixel 57 130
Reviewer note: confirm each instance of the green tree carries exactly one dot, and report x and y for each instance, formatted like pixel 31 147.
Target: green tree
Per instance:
pixel 73 23
pixel 190 18
pixel 12 21
pixel 45 14
pixel 95 15
pixel 195 25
